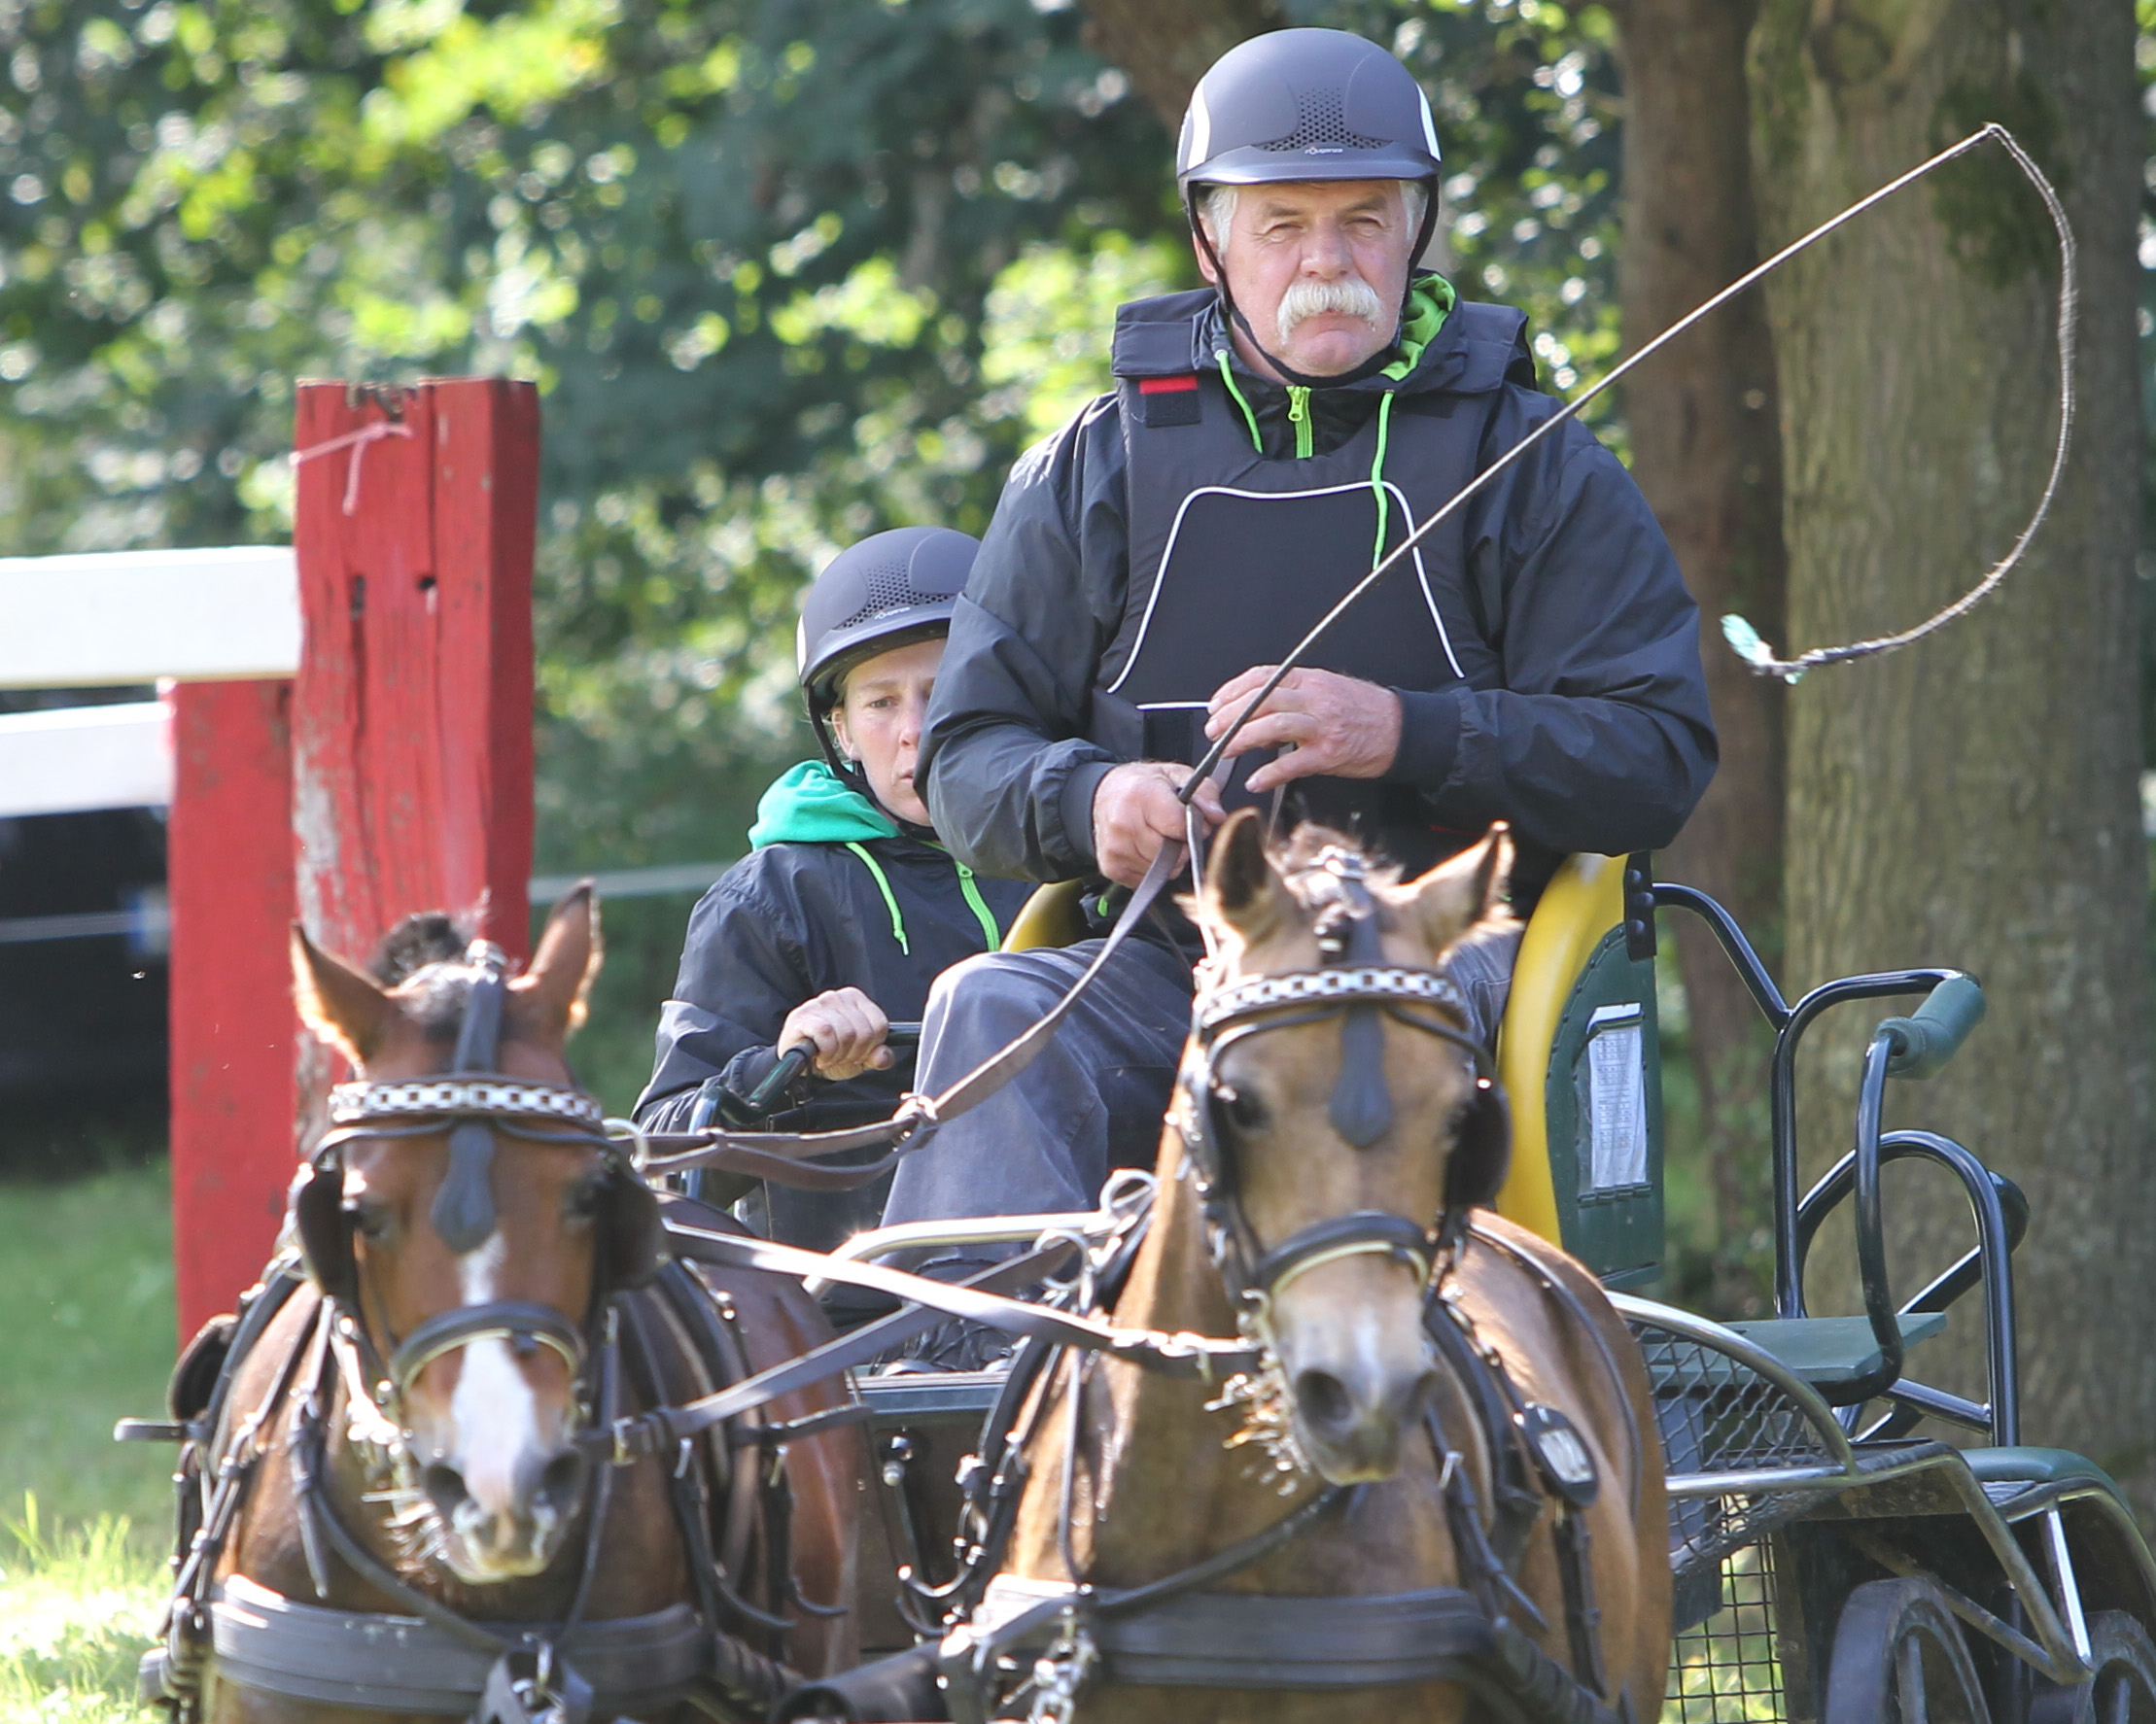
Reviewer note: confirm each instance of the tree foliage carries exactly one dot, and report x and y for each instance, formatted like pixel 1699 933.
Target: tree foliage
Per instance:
pixel 788 271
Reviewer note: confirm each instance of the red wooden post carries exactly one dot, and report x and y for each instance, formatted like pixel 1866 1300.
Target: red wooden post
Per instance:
pixel 412 711
pixel 393 775
pixel 234 1032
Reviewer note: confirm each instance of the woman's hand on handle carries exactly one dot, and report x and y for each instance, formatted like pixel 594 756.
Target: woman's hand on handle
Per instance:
pixel 847 1030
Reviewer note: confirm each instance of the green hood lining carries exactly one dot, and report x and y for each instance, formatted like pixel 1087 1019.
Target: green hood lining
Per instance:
pixel 811 803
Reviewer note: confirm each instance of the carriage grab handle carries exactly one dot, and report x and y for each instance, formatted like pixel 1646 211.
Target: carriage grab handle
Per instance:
pixel 1934 1032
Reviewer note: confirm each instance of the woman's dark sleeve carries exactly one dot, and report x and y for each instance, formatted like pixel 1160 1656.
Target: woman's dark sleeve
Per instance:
pixel 743 970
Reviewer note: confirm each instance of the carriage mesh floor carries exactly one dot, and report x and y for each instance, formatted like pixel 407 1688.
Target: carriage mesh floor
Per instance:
pixel 1717 1415
pixel 1726 1670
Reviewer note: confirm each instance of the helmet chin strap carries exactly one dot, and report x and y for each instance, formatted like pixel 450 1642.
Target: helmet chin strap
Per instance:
pixel 1370 367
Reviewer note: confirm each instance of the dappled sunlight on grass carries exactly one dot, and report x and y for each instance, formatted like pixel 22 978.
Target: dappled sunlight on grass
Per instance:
pixel 86 1278
pixel 77 1606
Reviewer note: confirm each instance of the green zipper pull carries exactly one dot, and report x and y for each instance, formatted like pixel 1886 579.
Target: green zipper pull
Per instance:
pixel 1299 415
pixel 978 905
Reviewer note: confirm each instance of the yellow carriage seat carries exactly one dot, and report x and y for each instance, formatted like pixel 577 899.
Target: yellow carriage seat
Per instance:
pixel 1578 1054
pixel 1054 915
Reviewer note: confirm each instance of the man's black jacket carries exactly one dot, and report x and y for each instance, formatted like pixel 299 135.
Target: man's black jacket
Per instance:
pixel 1589 728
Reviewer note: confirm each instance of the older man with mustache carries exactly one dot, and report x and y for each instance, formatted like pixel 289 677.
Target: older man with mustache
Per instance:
pixel 1537 661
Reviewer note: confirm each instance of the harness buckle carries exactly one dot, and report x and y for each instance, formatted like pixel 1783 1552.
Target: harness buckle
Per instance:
pixel 623 1430
pixel 1060 1673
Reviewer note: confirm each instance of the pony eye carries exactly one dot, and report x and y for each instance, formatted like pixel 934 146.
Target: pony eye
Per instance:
pixel 586 1198
pixel 1246 1111
pixel 370 1220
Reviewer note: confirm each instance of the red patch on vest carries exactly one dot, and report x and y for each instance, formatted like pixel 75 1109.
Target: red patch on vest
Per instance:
pixel 1164 386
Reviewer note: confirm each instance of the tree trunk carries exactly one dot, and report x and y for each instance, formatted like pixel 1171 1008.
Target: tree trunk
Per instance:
pixel 1706 450
pixel 1971 801
pixel 1164 50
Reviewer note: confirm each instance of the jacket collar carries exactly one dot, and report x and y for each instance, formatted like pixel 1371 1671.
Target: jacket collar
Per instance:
pixel 1479 348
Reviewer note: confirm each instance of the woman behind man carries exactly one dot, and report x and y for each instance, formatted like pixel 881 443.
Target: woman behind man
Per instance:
pixel 848 907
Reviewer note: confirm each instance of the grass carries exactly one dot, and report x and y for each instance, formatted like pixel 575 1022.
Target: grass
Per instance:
pixel 85 1279
pixel 78 1606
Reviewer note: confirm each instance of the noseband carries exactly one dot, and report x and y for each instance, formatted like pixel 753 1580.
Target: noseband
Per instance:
pixel 479 1106
pixel 1355 983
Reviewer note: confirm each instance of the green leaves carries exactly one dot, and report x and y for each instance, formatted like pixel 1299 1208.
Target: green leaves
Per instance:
pixel 788 271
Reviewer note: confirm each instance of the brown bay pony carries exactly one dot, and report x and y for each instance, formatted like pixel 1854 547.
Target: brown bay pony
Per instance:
pixel 407 1495
pixel 1455 1427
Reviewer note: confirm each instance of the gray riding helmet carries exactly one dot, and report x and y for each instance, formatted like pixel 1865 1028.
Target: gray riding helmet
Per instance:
pixel 1306 105
pixel 891 588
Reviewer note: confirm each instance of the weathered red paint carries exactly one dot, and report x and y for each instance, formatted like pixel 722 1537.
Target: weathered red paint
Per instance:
pixel 234 1031
pixel 405 783
pixel 412 711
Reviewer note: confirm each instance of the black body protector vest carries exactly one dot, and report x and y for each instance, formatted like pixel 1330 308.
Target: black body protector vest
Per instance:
pixel 1235 554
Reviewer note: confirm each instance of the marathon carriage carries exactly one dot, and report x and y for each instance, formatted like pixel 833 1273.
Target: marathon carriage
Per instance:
pixel 1828 1566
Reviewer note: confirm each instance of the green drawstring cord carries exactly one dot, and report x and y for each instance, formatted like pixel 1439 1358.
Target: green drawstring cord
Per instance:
pixel 979 904
pixel 1377 473
pixel 1299 415
pixel 981 912
pixel 891 899
pixel 1249 418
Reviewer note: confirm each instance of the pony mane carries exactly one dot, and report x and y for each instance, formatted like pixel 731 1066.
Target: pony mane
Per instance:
pixel 1316 890
pixel 1297 855
pixel 423 958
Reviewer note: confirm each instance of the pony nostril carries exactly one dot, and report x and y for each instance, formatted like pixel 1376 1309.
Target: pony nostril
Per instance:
pixel 445 1489
pixel 561 1481
pixel 1324 1401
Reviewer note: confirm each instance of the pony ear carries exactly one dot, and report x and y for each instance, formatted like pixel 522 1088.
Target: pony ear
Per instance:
pixel 557 987
pixel 1470 888
pixel 347 1008
pixel 1243 890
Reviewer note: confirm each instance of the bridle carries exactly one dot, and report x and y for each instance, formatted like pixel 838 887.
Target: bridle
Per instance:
pixel 479 1106
pixel 1355 983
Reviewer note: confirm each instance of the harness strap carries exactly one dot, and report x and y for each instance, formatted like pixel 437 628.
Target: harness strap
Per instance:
pixel 1361 1232
pixel 408 1664
pixel 659 1430
pixel 1174 1355
pixel 499 1320
pixel 1251 1640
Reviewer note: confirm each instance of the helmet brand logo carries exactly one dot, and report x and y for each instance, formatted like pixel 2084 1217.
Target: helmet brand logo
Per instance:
pixel 1324 150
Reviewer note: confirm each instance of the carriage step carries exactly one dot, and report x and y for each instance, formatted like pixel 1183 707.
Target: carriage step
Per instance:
pixel 1828 1351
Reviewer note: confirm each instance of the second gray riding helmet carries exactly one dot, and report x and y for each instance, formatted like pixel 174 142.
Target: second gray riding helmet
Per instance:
pixel 1305 105
pixel 891 588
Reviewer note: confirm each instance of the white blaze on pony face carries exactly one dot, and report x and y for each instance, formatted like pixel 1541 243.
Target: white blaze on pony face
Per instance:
pixel 499 1442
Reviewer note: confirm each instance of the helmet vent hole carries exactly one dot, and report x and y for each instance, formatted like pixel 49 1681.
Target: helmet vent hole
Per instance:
pixel 888 591
pixel 1322 123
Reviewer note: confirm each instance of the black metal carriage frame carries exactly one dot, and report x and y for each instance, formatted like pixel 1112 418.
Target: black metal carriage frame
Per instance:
pixel 1826 1567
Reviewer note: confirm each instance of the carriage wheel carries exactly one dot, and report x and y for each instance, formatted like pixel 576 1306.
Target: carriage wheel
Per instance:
pixel 2124 1691
pixel 1899 1658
